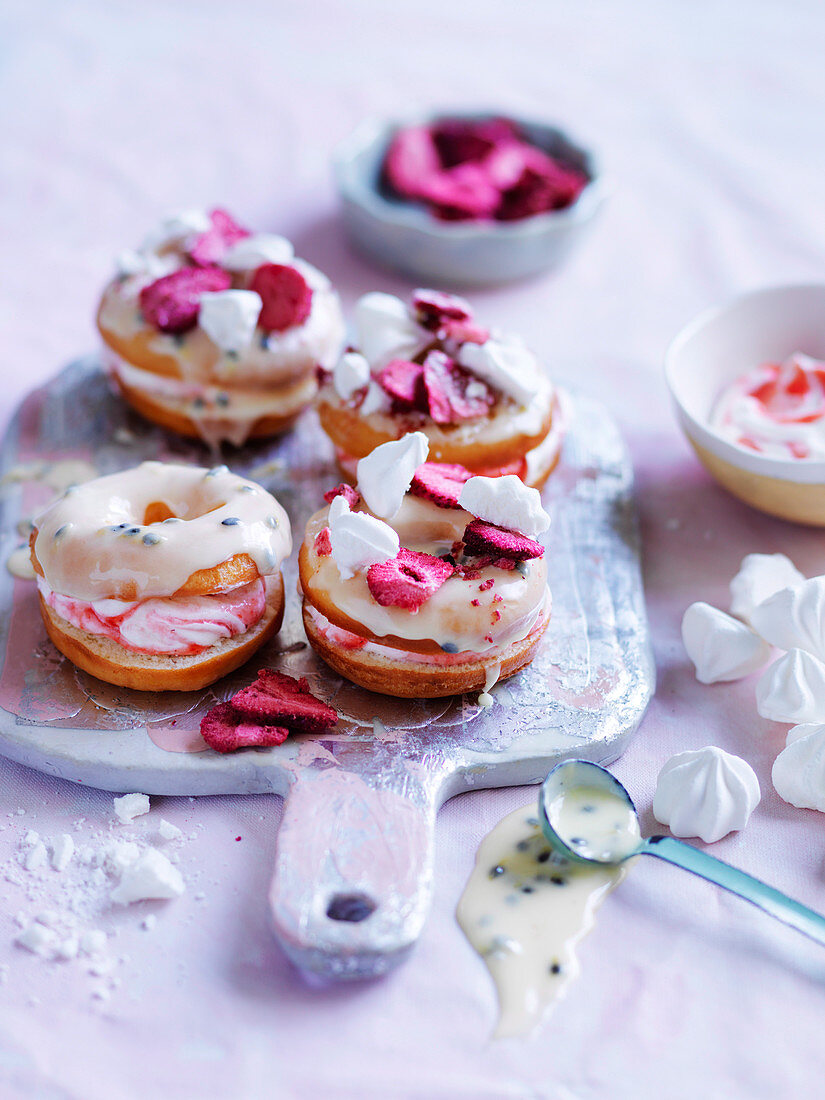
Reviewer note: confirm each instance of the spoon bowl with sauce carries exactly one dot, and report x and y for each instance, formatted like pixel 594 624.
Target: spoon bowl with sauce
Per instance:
pixel 588 817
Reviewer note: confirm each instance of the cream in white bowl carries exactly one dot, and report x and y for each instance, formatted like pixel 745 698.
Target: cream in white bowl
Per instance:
pixel 715 350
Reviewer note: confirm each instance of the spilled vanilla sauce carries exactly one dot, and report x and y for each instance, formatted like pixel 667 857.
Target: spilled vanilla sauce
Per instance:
pixel 524 910
pixel 595 823
pixel 19 564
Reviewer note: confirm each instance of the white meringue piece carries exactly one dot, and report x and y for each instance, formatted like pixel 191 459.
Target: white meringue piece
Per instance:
pixel 384 475
pixel 176 228
pixel 359 541
pixel 706 793
pixel 229 317
pixel 507 365
pixel 792 689
pixel 350 374
pixel 338 507
pixel 375 400
pixel 759 577
pixel 799 771
pixel 261 248
pixel 315 279
pixel 386 328
pixel 721 647
pixel 506 502
pixel 130 262
pixel 794 618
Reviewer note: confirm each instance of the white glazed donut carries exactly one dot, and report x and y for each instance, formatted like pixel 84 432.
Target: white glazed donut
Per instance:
pixel 162 577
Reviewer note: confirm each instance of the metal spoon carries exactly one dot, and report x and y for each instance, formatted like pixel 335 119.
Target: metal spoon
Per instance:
pixel 566 789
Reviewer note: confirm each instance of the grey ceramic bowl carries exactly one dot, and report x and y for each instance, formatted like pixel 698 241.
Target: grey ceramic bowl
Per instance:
pixel 405 236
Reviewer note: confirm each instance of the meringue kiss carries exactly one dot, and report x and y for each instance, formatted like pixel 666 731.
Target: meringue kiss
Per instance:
pixel 721 647
pixel 760 576
pixel 794 618
pixel 706 793
pixel 799 770
pixel 792 689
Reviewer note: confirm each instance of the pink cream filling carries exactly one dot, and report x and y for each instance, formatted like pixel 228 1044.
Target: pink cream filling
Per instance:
pixel 165 624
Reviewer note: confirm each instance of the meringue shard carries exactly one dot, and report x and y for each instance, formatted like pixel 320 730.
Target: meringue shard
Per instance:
pixel 799 770
pixel 721 647
pixel 792 689
pixel 706 793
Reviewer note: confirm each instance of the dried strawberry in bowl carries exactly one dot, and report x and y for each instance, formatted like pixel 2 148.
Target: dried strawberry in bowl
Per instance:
pixel 480 396
pixel 430 580
pixel 472 199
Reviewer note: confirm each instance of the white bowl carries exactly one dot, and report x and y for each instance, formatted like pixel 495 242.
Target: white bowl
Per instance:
pixel 715 349
pixel 406 237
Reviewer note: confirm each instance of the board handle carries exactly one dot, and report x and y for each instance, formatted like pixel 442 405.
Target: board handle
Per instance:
pixel 353 871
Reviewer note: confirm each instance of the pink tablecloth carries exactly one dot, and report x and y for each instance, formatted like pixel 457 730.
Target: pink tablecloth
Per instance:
pixel 710 121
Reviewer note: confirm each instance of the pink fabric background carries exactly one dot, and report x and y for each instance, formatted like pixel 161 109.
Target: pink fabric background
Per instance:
pixel 709 118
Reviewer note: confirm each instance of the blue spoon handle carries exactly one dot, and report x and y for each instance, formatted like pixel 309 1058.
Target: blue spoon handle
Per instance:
pixel 771 901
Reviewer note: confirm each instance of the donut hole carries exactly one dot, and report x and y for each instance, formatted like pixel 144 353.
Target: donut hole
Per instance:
pixel 351 908
pixel 158 511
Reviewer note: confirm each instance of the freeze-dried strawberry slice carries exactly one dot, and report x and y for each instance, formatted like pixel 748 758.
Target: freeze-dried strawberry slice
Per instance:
pixel 553 188
pixel 440 482
pixel 464 192
pixel 403 380
pixel 278 699
pixel 172 303
pixel 458 141
pixel 210 246
pixel 407 580
pixel 453 394
pixel 464 332
pixel 286 296
pixel 350 495
pixel 497 542
pixel 224 730
pixel 412 162
pixel 433 307
pixel 323 543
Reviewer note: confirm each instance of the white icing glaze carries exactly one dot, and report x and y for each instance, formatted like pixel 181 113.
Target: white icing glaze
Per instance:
pixel 505 502
pixel 760 576
pixel 792 689
pixel 721 647
pixel 527 939
pixel 92 541
pixel 706 793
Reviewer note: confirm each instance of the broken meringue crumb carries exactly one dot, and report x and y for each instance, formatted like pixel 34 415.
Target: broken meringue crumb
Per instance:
pixel 130 806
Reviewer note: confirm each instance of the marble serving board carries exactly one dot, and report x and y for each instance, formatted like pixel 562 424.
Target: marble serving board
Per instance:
pixel 354 855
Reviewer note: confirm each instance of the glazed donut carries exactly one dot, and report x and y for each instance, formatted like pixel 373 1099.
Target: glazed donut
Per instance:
pixel 216 333
pixel 162 577
pixel 482 622
pixel 482 399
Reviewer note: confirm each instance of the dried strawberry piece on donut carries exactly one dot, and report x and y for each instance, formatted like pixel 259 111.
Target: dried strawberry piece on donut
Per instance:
pixel 210 247
pixel 407 580
pixel 432 307
pixel 453 394
pixel 350 495
pixel 497 542
pixel 403 381
pixel 323 543
pixel 440 483
pixel 286 296
pixel 278 699
pixel 224 730
pixel 172 303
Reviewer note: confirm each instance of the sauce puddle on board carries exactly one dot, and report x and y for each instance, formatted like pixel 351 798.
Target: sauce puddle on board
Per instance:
pixel 524 910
